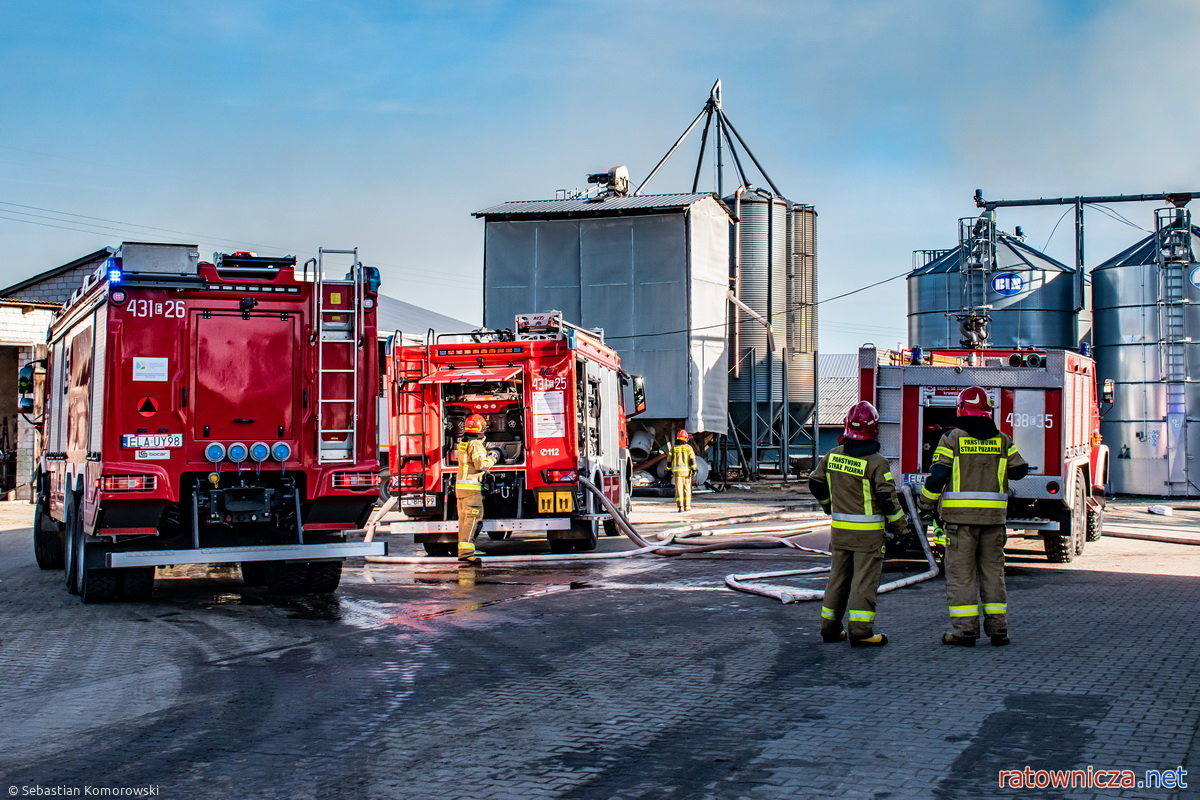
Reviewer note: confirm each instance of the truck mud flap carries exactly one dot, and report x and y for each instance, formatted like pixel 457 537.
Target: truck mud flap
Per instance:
pixel 451 525
pixel 228 555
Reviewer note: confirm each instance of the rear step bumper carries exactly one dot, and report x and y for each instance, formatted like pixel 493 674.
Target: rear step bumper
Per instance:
pixel 451 525
pixel 1033 525
pixel 229 555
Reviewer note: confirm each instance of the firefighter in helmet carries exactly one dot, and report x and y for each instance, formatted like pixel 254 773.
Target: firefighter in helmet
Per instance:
pixel 683 467
pixel 473 464
pixel 969 482
pixel 854 484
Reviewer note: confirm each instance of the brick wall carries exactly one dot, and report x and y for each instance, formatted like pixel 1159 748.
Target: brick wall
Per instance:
pixel 58 288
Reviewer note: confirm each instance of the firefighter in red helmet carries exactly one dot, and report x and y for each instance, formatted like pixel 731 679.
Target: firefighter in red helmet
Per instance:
pixel 969 482
pixel 683 467
pixel 854 484
pixel 473 464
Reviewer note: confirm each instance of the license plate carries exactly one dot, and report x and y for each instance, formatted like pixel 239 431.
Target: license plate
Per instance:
pixel 155 441
pixel 915 479
pixel 418 501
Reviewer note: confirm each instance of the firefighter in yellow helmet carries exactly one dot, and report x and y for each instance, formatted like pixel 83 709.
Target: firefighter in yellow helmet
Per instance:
pixel 683 467
pixel 969 481
pixel 854 483
pixel 473 464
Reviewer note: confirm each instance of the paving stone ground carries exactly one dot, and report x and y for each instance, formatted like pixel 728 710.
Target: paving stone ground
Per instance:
pixel 631 678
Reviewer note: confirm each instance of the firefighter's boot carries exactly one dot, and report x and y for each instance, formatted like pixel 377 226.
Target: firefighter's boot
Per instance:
pixel 833 636
pixel 877 640
pixel 467 554
pixel 1000 638
pixel 961 641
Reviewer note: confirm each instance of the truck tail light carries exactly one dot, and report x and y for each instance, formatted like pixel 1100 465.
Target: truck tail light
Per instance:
pixel 128 483
pixel 410 481
pixel 355 480
pixel 1052 487
pixel 558 475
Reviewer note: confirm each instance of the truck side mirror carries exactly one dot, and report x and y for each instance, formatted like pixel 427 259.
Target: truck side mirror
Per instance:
pixel 1108 390
pixel 25 405
pixel 639 395
pixel 25 379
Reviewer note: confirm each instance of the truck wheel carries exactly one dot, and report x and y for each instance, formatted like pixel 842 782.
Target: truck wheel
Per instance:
pixel 1059 549
pixel 284 578
pixel 499 536
pixel 137 583
pixel 1095 525
pixel 95 585
pixel 1062 546
pixel 1079 514
pixel 254 573
pixel 587 530
pixel 48 546
pixel 324 576
pixel 440 549
pixel 611 528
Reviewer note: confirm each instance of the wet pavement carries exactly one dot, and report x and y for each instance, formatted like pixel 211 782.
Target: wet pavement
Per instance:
pixel 638 677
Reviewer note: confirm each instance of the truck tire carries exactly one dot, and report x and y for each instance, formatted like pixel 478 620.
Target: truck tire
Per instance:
pixel 440 549
pixel 584 536
pixel 1095 525
pixel 137 583
pixel 72 544
pixel 48 546
pixel 1063 545
pixel 324 576
pixel 98 585
pixel 285 578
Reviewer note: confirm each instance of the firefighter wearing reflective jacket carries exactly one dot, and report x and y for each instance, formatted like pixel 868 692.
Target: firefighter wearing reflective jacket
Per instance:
pixel 683 466
pixel 853 482
pixel 969 482
pixel 473 464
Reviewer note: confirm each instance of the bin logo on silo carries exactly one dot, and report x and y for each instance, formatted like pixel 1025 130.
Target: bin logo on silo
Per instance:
pixel 1007 283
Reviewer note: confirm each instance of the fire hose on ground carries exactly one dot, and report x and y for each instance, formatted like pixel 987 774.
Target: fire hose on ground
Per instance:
pixel 672 542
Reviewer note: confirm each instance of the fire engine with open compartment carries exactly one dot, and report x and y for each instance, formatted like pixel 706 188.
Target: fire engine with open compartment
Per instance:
pixel 553 398
pixel 1045 400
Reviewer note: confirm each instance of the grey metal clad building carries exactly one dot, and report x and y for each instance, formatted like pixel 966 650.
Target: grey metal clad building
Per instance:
pixel 1032 298
pixel 651 270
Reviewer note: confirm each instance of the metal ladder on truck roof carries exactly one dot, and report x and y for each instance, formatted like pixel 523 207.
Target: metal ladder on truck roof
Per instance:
pixel 337 326
pixel 410 405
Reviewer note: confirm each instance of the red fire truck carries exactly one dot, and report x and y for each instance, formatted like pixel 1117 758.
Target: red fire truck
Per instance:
pixel 553 398
pixel 206 413
pixel 1044 399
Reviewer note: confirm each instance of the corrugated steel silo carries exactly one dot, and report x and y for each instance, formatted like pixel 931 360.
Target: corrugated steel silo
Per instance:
pixel 1032 298
pixel 1147 340
pixel 761 271
pixel 802 312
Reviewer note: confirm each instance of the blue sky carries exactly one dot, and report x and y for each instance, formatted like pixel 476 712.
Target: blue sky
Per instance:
pixel 282 126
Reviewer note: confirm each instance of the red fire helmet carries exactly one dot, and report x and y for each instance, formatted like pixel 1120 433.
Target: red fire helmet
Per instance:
pixel 974 402
pixel 475 424
pixel 862 421
pixel 682 436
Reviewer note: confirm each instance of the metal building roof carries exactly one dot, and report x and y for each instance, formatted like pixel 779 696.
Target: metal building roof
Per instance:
pixel 599 206
pixel 1011 253
pixel 837 386
pixel 397 315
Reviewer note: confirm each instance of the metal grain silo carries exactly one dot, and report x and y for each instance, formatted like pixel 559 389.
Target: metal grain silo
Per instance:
pixel 802 312
pixel 1147 340
pixel 1030 296
pixel 760 280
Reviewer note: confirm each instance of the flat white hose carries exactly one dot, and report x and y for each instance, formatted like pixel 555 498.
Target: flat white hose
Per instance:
pixel 786 594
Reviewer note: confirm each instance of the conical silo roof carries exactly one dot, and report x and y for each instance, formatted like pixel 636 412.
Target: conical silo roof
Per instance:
pixel 1145 251
pixel 1011 253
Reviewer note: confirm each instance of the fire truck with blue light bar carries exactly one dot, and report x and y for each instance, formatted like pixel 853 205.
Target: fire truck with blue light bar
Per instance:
pixel 1046 400
pixel 206 413
pixel 553 397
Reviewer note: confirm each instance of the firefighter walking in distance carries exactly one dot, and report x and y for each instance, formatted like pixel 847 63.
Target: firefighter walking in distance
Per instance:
pixel 969 481
pixel 473 464
pixel 683 467
pixel 854 483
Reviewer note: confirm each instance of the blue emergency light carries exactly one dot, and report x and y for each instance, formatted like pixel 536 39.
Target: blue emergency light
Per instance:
pixel 113 267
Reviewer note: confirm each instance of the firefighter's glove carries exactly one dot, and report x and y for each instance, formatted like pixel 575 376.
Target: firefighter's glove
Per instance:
pixel 828 509
pixel 926 514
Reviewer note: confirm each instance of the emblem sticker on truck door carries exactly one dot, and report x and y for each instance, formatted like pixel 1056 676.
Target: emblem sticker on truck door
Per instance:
pixel 150 369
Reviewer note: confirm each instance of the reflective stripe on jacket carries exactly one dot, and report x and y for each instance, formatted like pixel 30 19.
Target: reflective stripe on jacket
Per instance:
pixel 860 494
pixel 683 459
pixel 473 462
pixel 977 491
